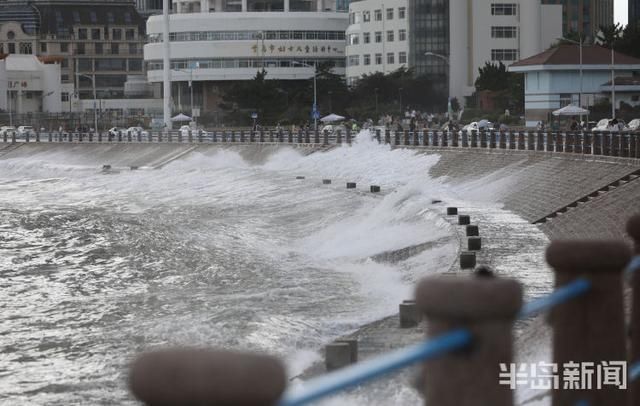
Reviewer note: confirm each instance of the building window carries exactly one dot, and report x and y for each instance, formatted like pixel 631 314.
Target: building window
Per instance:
pixel 12 48
pixel 389 14
pixel 401 12
pixel 378 59
pixel 635 98
pixel 64 64
pixel 115 48
pixel 402 57
pixel 504 54
pixel 503 32
pixel 565 99
pixel 80 49
pixel 11 35
pixel 93 17
pixel 95 33
pixel 130 34
pixel 367 59
pixel 504 9
pixel 354 39
pixel 378 36
pixel 390 58
pixel 64 97
pixel 64 47
pixel 117 33
pixel 366 16
pixel 377 14
pixel 366 37
pixel 43 47
pixel 135 65
pixel 64 78
pixel 354 60
pixel 389 36
pixel 402 35
pixel 82 33
pixel 352 18
pixel 98 48
pixel 133 48
pixel 85 65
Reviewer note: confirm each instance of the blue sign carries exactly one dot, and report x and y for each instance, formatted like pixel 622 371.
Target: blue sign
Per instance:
pixel 316 114
pixel 254 115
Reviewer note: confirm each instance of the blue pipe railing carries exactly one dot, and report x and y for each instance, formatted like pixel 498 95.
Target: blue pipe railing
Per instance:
pixel 332 383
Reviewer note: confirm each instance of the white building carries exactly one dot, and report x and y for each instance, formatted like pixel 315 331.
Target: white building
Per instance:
pixel 28 85
pixel 552 79
pixel 463 35
pixel 229 40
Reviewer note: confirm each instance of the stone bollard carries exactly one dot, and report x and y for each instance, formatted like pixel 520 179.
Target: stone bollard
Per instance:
pixel 337 355
pixel 133 168
pixel 325 137
pixel 487 308
pixel 351 185
pixel 316 136
pixel 299 177
pixel 467 260
pixel 472 231
pixel 409 315
pixel 339 137
pixel 353 348
pixel 378 135
pixel 375 189
pixel 212 377
pixel 464 219
pixel 474 243
pixel 589 328
pixel 452 211
pixel 633 229
pixel 326 181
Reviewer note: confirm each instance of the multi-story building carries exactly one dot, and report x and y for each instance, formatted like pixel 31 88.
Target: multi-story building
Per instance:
pixel 147 8
pixel 634 11
pixel 92 41
pixel 214 41
pixel 585 16
pixel 447 40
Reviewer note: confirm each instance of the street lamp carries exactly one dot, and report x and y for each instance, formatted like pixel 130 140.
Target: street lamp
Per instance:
pixel 315 92
pixel 95 100
pixel 444 58
pixel 580 44
pixel 190 72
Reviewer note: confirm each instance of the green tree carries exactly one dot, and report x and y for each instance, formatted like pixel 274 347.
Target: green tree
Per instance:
pixel 609 35
pixel 508 87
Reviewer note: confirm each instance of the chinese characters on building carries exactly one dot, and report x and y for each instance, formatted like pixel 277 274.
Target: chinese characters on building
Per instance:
pixel 572 375
pixel 266 49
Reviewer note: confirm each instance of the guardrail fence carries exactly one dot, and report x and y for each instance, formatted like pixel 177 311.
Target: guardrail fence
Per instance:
pixel 626 145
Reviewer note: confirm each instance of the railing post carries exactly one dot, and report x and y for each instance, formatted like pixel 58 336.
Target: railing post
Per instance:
pixel 90 137
pixel 378 135
pixel 316 136
pixel 465 139
pixel 455 142
pixel 416 138
pixel 406 137
pixel 186 376
pixel 397 135
pixel 512 140
pixel 606 144
pixel 49 137
pixel 445 139
pixel 487 308
pixel 633 146
pixel 307 138
pixel 38 137
pixel 492 139
pixel 597 143
pixel 271 135
pixel 435 141
pixel 474 138
pixel 520 137
pixel 252 136
pixel 325 137
pixel 502 144
pixel 633 228
pixel 261 136
pixel 483 140
pixel 615 144
pixel 551 141
pixel 290 137
pixel 339 137
pixel 589 328
pixel 587 143
pixel 570 141
pixel 625 138
pixel 387 136
pixel 299 137
pixel 425 138
pixel 200 136
pixel 560 138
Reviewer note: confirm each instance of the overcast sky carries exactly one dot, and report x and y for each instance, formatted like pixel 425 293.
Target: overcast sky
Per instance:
pixel 621 10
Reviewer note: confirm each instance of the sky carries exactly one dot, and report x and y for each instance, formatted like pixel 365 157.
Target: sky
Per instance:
pixel 620 11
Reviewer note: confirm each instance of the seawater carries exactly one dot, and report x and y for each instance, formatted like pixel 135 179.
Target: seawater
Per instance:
pixel 211 250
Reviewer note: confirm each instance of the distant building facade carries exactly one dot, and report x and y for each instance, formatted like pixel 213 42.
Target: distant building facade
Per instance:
pixel 90 40
pixel 634 11
pixel 552 79
pixel 447 40
pixel 585 16
pixel 215 41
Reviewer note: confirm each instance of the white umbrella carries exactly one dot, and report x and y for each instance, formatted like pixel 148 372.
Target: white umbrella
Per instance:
pixel 331 118
pixel 181 117
pixel 571 110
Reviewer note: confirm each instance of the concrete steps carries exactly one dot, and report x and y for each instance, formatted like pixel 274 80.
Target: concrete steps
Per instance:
pixel 630 177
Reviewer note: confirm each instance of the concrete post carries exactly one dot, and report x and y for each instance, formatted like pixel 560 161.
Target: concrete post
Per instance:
pixel 597 143
pixel 464 219
pixel 472 231
pixel 299 137
pixel 615 144
pixel 242 136
pixel 270 135
pixel 416 139
pixel 397 135
pixel 307 138
pixel 445 138
pixel 467 260
pixel 454 139
pixel 520 137
pixel 387 137
pixel 409 314
pixel 26 137
pixel 512 140
pixel 325 138
pixel 200 376
pixel 90 137
pixel 452 211
pixel 502 144
pixel 624 145
pixel 474 138
pixel 252 136
pixel 378 135
pixel 531 141
pixel 348 135
pixel 487 308
pixel 570 142
pixel 190 137
pixel 353 347
pixel 560 141
pixel 233 137
pixel 483 139
pixel 180 136
pixel 339 137
pixel 337 355
pixel 633 229
pixel 406 137
pixel 465 139
pixel 492 139
pixel 589 328
pixel 129 139
pixel 374 189
pixel 474 243
pixel 326 181
pixel 435 141
pixel 351 185
pixel 606 144
pixel 425 138
pixel 316 136
pixel 4 137
pixel 37 137
pixel 633 146
pixel 261 136
pixel 587 143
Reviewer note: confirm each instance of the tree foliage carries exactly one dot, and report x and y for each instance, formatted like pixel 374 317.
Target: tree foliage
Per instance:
pixel 508 87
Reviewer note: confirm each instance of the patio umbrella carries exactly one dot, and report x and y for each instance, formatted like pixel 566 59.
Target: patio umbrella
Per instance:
pixel 571 110
pixel 181 117
pixel 331 118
